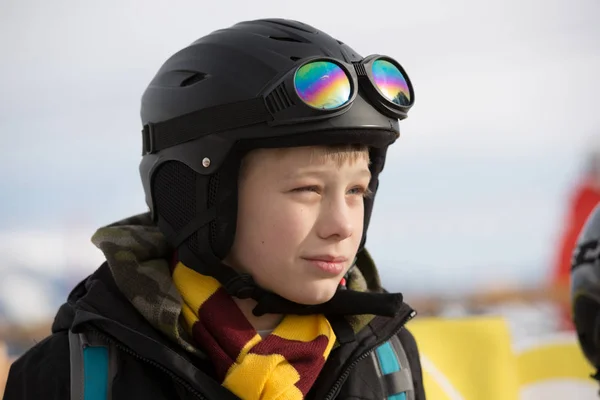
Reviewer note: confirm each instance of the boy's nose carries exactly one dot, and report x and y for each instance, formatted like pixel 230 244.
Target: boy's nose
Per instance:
pixel 335 221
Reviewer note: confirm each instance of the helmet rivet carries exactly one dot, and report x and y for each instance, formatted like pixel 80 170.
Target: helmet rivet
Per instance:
pixel 206 162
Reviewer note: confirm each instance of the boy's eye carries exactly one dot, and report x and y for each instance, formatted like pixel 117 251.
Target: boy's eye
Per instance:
pixel 355 191
pixel 307 189
pixel 360 190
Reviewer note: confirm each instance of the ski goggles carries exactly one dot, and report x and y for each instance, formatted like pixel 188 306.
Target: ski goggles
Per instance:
pixel 322 86
pixel 314 89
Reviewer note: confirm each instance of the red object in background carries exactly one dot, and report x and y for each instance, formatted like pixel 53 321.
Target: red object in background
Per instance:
pixel 584 200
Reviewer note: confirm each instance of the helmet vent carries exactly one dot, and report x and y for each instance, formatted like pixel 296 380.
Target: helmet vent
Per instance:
pixel 286 39
pixel 278 100
pixel 294 58
pixel 193 79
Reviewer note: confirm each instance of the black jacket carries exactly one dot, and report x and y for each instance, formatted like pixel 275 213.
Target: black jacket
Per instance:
pixel 150 366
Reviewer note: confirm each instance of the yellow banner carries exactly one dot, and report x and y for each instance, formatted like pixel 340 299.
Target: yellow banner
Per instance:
pixel 476 358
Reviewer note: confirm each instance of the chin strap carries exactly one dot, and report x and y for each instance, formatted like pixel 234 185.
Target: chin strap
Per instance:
pixel 344 302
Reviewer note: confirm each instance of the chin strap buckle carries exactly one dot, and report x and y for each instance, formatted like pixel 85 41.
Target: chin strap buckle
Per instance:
pixel 242 286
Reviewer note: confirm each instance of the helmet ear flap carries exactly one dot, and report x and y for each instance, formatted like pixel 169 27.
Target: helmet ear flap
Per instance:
pixel 181 194
pixel 174 195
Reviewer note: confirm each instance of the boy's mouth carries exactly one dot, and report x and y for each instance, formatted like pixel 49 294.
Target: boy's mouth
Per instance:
pixel 327 258
pixel 330 264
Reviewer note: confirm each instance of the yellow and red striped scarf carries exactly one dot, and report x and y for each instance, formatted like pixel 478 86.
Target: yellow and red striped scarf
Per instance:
pixel 283 365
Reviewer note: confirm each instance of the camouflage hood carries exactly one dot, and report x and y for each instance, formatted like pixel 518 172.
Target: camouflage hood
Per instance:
pixel 139 259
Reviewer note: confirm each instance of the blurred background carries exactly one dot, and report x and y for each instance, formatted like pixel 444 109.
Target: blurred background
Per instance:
pixel 481 199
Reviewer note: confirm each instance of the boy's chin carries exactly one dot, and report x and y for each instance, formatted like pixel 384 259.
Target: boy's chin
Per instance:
pixel 311 296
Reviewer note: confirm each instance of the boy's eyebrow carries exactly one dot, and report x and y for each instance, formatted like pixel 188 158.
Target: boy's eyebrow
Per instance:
pixel 365 172
pixel 295 174
pixel 316 172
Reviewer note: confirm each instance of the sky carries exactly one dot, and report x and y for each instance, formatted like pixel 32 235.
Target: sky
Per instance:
pixel 473 193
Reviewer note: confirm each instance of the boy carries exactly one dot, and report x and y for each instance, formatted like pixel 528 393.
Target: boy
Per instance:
pixel 262 146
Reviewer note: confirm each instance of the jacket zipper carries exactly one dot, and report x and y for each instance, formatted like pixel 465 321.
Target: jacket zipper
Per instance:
pixel 337 385
pixel 153 363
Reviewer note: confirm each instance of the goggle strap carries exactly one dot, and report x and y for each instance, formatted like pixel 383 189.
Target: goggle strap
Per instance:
pixel 162 135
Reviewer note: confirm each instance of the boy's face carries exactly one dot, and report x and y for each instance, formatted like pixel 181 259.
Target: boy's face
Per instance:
pixel 300 219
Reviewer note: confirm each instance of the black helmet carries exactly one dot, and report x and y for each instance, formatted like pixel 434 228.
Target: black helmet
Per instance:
pixel 225 94
pixel 585 289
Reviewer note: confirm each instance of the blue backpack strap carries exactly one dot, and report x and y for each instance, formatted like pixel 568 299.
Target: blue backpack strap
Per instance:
pixel 394 371
pixel 93 367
